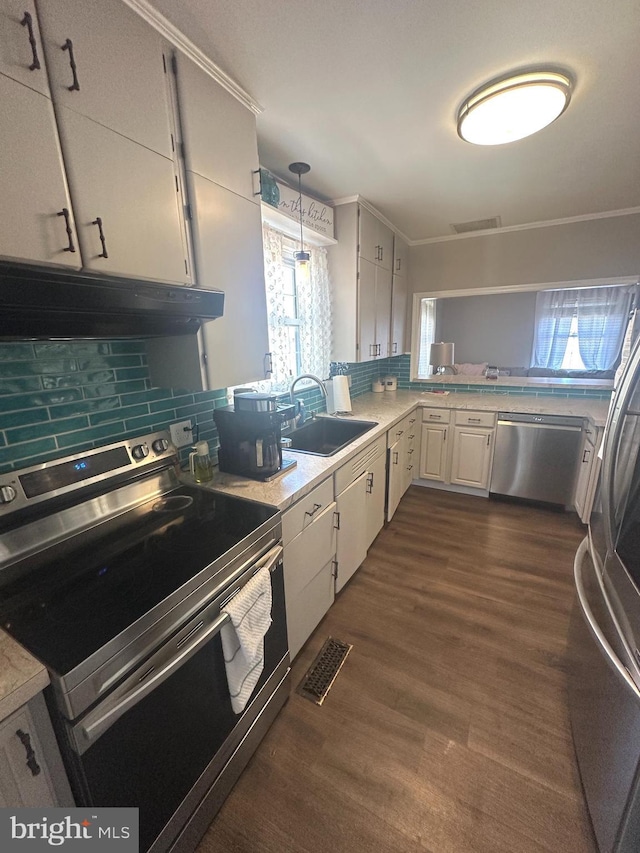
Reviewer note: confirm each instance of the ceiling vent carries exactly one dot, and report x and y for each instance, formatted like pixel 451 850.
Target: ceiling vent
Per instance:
pixel 477 225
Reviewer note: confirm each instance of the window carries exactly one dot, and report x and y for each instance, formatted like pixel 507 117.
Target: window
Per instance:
pixel 426 336
pixel 581 328
pixel 299 312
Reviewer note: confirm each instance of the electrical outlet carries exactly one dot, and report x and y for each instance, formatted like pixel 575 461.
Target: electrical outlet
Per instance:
pixel 181 433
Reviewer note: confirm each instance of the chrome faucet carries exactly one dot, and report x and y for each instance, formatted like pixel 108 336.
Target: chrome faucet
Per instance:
pixel 317 380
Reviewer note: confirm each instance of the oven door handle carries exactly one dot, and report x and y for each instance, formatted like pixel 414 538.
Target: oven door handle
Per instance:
pixel 97 722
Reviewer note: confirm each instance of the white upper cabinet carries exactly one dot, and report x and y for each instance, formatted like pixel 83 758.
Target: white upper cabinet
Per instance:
pixel 126 202
pixel 219 132
pixel 375 239
pixel 35 211
pixel 362 285
pixel 227 239
pixel 400 256
pixel 106 63
pixel 21 54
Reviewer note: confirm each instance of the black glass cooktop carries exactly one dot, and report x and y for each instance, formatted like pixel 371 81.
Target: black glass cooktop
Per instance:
pixel 80 595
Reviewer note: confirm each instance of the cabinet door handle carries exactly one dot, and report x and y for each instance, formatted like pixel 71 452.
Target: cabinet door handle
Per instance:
pixel 398 265
pixel 75 86
pixel 25 740
pixel 259 174
pixel 313 511
pixel 489 440
pixel 444 435
pixel 381 252
pixel 395 453
pixel 370 483
pixel 336 520
pixel 586 455
pixel 67 227
pixel 379 347
pixel 27 22
pixel 98 221
pixel 399 432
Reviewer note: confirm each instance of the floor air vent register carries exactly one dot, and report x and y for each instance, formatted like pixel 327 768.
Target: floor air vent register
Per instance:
pixel 324 670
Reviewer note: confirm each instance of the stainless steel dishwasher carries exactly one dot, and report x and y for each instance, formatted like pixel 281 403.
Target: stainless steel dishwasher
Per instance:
pixel 536 457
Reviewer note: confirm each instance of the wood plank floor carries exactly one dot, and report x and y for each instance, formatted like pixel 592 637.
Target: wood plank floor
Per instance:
pixel 447 728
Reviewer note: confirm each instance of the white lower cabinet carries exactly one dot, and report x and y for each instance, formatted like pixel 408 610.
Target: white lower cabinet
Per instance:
pixel 457 447
pixel 395 477
pixel 360 493
pixel 404 450
pixel 309 539
pixel 471 456
pixel 351 550
pixel 374 504
pixel 31 770
pixel 588 472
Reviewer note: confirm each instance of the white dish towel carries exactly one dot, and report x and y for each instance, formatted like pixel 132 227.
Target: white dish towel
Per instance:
pixel 243 637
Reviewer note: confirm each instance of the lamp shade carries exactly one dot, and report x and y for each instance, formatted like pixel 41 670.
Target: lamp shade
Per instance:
pixel 441 354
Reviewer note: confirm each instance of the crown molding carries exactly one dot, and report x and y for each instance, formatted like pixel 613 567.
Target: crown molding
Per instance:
pixel 548 223
pixel 350 199
pixel 173 35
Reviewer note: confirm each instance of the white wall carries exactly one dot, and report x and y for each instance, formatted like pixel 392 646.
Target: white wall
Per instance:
pixel 593 249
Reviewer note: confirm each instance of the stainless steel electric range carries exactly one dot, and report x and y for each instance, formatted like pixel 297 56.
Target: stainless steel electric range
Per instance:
pixel 113 574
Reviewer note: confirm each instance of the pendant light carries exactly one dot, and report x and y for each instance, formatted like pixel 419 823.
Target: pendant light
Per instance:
pixel 513 107
pixel 302 258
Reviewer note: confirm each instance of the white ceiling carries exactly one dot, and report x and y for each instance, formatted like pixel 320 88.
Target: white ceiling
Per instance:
pixel 367 91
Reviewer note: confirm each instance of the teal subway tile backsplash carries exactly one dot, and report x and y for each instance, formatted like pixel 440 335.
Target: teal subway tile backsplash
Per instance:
pixel 58 398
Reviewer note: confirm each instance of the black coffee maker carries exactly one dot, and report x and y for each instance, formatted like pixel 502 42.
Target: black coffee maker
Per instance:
pixel 249 433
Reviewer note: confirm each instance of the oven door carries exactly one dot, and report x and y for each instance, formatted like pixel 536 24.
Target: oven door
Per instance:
pixel 159 740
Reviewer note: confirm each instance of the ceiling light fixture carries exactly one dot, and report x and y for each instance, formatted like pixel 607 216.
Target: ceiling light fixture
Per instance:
pixel 301 258
pixel 513 107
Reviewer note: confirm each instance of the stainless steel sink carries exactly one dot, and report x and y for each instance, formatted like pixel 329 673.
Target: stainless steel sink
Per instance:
pixel 326 436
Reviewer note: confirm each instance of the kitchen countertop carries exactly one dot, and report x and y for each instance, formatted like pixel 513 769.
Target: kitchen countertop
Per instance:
pixel 387 408
pixel 21 676
pixel 532 382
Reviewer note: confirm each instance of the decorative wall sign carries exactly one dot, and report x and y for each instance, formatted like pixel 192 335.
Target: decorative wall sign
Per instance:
pixel 316 215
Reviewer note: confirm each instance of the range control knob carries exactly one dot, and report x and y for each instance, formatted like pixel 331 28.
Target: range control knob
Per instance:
pixel 140 451
pixel 7 494
pixel 160 445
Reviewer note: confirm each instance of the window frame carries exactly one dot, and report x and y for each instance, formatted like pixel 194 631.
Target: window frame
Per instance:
pixel 488 291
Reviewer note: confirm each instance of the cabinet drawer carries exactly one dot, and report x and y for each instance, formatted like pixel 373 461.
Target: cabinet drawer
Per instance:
pixel 308 508
pixel 436 416
pixel 308 552
pixel 480 419
pixel 359 464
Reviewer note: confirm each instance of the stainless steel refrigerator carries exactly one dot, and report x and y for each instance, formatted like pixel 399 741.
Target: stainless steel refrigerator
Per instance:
pixel 604 638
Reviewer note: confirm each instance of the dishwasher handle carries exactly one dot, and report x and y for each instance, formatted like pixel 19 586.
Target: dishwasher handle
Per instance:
pixel 526 419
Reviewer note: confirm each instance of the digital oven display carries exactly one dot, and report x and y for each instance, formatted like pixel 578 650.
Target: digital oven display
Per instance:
pixel 38 483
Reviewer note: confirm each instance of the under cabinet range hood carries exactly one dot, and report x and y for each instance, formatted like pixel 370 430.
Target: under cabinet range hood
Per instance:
pixel 48 304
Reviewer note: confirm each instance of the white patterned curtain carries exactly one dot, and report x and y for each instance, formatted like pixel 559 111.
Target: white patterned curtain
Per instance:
pixel 603 313
pixel 554 312
pixel 313 311
pixel 272 242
